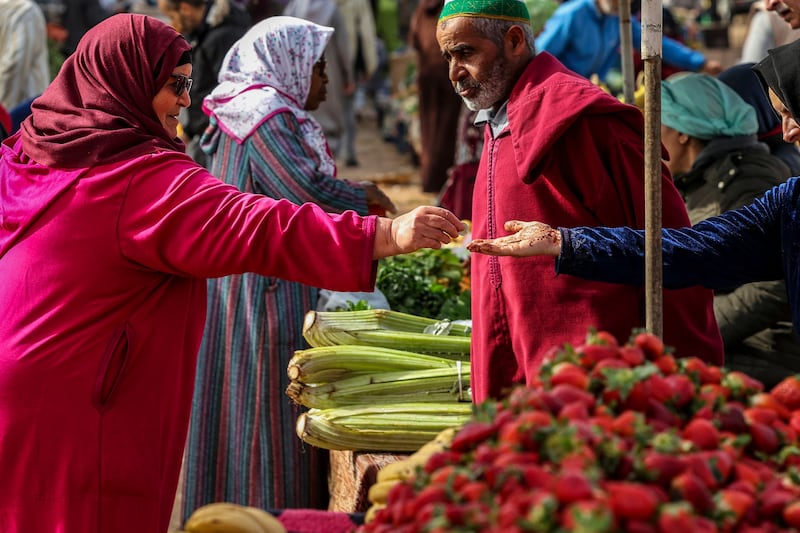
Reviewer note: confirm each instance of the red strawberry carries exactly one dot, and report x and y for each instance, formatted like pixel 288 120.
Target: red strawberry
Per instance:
pixel 651 345
pixel 599 370
pixel 485 454
pixel 631 354
pixel 521 432
pixel 704 525
pixel 602 337
pixel 794 421
pixel 580 460
pixel 589 355
pixel 761 415
pixel 524 398
pixel 535 476
pixel 471 434
pixel 662 467
pixel 439 460
pixel 659 415
pixel 572 486
pixel 732 506
pixel 773 500
pixel 542 514
pixel 574 411
pixel 683 389
pixel 638 397
pixel 702 433
pixel 700 370
pixel 675 516
pixel 743 486
pixel 713 394
pixel 569 373
pixel 697 463
pixel 765 439
pixel 788 392
pixel 628 423
pixel 631 501
pixel 588 515
pixel 786 433
pixel 769 401
pixel 730 417
pixel 565 394
pixel 791 514
pixel 474 491
pixel 741 385
pixel 687 486
pixel 666 364
pixel 432 494
pixel 639 526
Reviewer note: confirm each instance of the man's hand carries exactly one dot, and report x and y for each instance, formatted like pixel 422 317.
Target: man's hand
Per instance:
pixel 424 227
pixel 530 238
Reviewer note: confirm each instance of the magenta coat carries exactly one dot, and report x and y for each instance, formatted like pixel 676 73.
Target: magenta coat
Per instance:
pixel 102 307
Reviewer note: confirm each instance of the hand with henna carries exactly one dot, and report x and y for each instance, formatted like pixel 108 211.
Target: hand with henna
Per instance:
pixel 528 239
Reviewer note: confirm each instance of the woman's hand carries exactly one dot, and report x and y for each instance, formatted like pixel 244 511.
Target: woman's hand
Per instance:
pixel 377 197
pixel 424 227
pixel 530 238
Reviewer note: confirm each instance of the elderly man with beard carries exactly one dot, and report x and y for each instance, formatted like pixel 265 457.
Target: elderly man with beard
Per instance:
pixel 556 149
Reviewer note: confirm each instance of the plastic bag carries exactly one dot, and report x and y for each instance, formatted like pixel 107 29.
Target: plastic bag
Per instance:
pixel 337 301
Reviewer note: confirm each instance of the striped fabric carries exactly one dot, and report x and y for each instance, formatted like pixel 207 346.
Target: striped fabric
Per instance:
pixel 242 444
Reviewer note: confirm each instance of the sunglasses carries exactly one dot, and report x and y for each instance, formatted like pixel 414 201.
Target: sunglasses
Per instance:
pixel 182 84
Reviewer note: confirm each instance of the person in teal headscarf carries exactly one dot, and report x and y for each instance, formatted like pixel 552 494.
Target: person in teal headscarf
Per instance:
pixel 715 158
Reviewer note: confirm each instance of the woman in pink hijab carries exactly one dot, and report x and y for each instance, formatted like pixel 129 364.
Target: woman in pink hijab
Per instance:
pixel 108 232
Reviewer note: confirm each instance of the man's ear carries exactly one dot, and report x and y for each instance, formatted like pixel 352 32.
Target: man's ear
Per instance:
pixel 514 41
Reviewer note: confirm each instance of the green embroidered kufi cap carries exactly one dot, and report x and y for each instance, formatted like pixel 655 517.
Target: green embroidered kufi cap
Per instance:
pixel 515 10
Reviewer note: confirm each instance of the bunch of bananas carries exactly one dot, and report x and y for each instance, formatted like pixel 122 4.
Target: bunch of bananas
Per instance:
pixel 223 517
pixel 394 473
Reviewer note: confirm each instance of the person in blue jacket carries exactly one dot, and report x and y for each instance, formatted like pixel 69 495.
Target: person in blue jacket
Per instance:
pixel 584 35
pixel 756 242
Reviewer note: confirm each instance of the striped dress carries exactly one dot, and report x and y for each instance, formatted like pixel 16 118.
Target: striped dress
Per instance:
pixel 242 445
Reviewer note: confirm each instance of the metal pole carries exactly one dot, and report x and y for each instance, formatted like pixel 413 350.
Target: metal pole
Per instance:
pixel 626 51
pixel 651 55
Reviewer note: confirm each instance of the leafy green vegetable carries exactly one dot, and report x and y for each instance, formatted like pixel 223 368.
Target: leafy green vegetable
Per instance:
pixel 425 283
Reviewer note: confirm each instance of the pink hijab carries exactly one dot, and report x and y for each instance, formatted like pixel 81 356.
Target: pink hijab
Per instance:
pixel 99 109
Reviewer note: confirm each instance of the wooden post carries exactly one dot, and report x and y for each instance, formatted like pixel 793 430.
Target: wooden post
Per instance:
pixel 626 51
pixel 651 55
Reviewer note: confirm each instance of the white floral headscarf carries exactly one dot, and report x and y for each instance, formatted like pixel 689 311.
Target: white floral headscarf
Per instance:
pixel 268 71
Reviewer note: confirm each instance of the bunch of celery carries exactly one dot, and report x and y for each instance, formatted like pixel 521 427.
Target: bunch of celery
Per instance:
pixel 379 379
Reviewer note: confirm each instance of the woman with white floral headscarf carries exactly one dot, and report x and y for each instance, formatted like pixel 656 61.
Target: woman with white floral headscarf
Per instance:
pixel 242 444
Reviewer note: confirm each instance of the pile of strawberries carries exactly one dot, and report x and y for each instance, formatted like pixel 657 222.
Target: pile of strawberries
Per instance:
pixel 615 438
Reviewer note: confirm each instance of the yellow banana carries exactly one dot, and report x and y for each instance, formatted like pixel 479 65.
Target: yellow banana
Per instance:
pixel 395 471
pixel 378 492
pixel 269 524
pixel 445 436
pixel 372 511
pixel 407 467
pixel 426 451
pixel 222 518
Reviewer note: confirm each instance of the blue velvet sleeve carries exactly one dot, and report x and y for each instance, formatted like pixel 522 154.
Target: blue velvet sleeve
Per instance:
pixel 722 252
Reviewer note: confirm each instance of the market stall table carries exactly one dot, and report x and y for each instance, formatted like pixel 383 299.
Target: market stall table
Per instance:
pixel 351 475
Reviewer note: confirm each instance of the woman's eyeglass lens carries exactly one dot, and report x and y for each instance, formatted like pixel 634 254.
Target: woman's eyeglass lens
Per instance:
pixel 182 84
